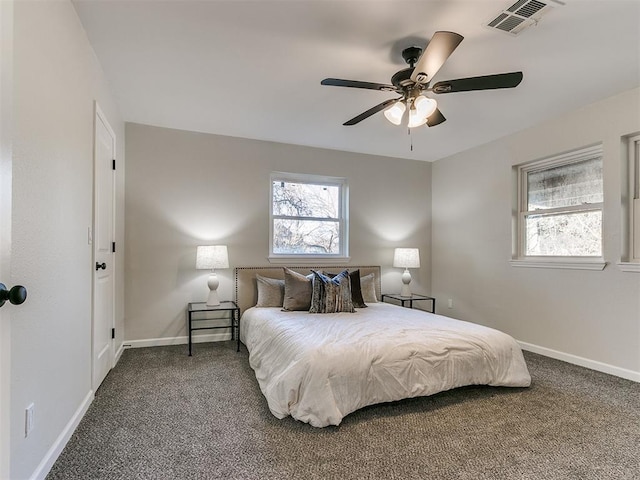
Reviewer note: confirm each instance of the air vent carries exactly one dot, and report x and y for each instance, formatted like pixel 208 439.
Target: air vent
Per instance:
pixel 520 15
pixel 526 8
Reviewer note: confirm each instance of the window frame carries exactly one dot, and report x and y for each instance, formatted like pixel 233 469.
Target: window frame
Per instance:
pixel 634 198
pixel 521 211
pixel 632 205
pixel 343 218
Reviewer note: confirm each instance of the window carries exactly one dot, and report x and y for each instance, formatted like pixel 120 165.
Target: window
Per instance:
pixel 308 216
pixel 634 207
pixel 630 258
pixel 560 209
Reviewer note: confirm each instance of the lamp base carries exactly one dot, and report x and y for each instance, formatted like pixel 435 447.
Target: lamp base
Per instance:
pixel 212 299
pixel 406 280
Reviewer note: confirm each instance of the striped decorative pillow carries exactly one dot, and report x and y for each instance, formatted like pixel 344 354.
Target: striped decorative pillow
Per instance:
pixel 356 289
pixel 331 295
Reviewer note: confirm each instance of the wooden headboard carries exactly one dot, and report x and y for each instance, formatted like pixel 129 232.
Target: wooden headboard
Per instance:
pixel 246 294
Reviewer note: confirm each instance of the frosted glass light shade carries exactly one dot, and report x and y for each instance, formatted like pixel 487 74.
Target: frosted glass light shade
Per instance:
pixel 406 258
pixel 209 257
pixel 425 105
pixel 395 112
pixel 415 119
pixel 421 109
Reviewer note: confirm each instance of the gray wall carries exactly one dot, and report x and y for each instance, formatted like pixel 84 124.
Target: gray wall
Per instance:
pixel 185 189
pixel 587 317
pixel 56 80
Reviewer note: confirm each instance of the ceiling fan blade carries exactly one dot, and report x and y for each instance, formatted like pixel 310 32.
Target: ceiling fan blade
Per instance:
pixel 487 82
pixel 436 118
pixel 441 45
pixel 371 111
pixel 336 82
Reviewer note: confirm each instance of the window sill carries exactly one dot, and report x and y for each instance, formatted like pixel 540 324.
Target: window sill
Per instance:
pixel 595 264
pixel 629 266
pixel 307 260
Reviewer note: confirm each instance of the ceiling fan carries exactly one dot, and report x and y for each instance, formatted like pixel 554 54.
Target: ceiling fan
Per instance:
pixel 412 83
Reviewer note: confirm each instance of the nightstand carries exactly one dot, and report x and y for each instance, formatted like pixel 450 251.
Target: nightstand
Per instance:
pixel 413 298
pixel 202 308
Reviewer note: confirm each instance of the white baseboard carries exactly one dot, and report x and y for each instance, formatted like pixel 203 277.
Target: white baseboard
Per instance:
pixel 161 342
pixel 118 354
pixel 56 449
pixel 583 362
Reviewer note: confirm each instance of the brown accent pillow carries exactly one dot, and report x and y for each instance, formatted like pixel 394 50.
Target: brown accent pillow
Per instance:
pixel 356 289
pixel 297 290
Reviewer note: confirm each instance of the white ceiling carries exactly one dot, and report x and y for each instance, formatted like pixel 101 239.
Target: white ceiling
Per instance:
pixel 253 68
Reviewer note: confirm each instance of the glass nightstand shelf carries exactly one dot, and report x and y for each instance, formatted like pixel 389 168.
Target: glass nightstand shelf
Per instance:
pixel 413 298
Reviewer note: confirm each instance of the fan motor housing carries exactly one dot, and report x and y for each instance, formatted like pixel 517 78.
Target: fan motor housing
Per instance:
pixel 411 55
pixel 402 79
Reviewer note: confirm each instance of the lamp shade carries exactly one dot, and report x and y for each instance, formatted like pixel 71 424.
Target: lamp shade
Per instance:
pixel 395 113
pixel 421 109
pixel 406 258
pixel 209 257
pixel 415 119
pixel 425 105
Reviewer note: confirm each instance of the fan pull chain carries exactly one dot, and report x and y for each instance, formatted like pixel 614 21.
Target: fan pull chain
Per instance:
pixel 410 138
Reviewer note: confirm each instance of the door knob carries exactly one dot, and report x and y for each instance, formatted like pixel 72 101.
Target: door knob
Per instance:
pixel 16 296
pixel 102 266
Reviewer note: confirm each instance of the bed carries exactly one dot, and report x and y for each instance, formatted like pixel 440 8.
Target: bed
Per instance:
pixel 318 368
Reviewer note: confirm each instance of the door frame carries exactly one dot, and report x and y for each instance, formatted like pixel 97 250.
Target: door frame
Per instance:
pixel 6 153
pixel 100 116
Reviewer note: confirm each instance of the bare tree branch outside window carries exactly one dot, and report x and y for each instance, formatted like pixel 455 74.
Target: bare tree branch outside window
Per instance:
pixel 563 211
pixel 306 218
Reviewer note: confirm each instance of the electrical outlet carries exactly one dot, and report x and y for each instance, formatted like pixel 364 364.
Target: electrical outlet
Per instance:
pixel 29 420
pixel 450 304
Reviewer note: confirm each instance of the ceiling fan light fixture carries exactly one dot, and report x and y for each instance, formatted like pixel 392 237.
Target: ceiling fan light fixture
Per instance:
pixel 421 108
pixel 412 82
pixel 395 112
pixel 425 105
pixel 416 118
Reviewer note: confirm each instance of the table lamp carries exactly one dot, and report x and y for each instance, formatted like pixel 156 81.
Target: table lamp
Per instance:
pixel 210 257
pixel 406 258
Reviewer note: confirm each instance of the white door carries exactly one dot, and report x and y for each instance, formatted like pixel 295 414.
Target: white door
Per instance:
pixel 103 235
pixel 5 332
pixel 6 75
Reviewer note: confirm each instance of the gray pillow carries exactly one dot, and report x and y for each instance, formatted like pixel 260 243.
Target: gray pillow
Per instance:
pixel 297 290
pixel 270 291
pixel 368 286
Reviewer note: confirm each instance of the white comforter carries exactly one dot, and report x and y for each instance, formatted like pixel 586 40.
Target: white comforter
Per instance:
pixel 320 367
